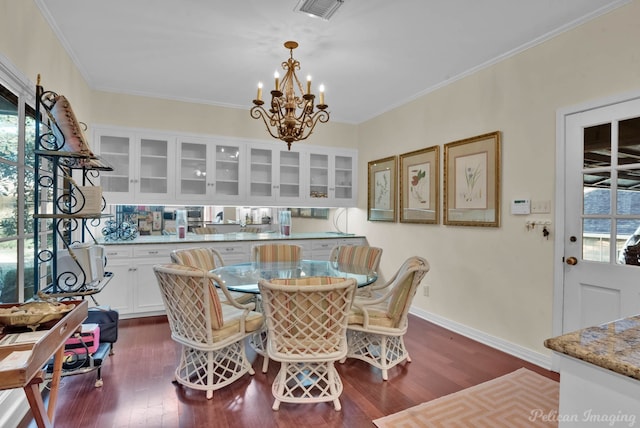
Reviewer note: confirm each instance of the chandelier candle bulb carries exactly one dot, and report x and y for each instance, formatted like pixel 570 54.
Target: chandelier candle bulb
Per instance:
pixel 308 84
pixel 259 91
pixel 277 77
pixel 321 94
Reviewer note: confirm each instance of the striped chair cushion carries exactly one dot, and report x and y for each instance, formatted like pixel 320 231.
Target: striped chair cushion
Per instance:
pixel 197 257
pixel 276 253
pixel 378 315
pixel 231 326
pixel 359 255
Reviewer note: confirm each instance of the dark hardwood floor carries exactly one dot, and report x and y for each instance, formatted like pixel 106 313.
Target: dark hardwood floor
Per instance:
pixel 138 391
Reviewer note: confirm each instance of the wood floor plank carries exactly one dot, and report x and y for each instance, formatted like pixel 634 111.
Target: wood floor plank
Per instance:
pixel 138 391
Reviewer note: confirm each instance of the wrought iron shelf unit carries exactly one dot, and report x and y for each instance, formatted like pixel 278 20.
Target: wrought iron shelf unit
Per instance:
pixel 68 203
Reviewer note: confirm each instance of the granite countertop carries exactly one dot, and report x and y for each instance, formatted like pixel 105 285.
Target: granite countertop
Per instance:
pixel 614 346
pixel 228 237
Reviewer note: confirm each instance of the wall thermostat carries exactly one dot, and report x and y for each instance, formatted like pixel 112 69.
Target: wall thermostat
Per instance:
pixel 521 206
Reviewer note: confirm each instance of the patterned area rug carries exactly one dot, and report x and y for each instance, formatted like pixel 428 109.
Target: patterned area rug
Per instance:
pixel 519 399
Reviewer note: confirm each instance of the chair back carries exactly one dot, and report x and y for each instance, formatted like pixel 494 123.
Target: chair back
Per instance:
pixel 208 230
pixel 307 317
pixel 276 253
pixel 404 289
pixel 357 255
pixel 191 302
pixel 200 257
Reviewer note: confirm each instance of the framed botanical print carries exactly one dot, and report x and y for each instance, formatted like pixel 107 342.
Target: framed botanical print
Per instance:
pixel 419 184
pixel 472 181
pixel 381 205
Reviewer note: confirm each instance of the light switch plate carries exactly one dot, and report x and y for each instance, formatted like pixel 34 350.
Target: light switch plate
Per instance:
pixel 540 207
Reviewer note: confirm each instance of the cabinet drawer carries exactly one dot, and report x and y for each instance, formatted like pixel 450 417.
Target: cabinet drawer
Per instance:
pixel 323 244
pixel 117 252
pixel 144 251
pixel 230 249
pixel 352 241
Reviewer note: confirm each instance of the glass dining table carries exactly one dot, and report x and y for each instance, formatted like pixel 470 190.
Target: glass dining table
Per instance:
pixel 244 277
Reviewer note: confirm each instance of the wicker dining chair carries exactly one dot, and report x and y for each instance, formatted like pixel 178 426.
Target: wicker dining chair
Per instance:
pixel 212 335
pixel 263 253
pixel 207 259
pixel 306 322
pixel 359 255
pixel 377 325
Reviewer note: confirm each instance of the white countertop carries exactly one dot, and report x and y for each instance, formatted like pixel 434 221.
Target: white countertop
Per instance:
pixel 229 237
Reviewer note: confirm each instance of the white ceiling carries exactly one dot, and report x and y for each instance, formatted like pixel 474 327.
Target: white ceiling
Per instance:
pixel 373 55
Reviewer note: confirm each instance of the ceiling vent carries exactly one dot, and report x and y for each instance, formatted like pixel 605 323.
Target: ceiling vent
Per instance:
pixel 321 8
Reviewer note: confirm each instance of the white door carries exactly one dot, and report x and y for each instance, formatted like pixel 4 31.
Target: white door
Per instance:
pixel 602 210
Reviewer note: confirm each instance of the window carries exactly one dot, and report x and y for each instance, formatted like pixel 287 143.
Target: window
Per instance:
pixel 17 142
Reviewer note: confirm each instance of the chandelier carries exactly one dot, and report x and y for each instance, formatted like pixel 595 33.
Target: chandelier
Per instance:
pixel 292 115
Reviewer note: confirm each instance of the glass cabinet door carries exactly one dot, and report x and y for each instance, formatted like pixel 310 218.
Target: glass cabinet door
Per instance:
pixel 318 175
pixel 192 174
pixel 153 166
pixel 343 177
pixel 228 172
pixel 289 181
pixel 260 173
pixel 117 151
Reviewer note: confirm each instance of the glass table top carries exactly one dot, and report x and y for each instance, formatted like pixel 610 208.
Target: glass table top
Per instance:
pixel 244 277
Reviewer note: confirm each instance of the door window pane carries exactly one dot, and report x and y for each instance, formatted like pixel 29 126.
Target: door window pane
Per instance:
pixel 597 146
pixel 628 241
pixel 629 141
pixel 596 200
pixel 595 239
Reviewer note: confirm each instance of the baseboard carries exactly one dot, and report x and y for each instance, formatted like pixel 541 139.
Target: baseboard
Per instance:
pixel 533 357
pixel 13 407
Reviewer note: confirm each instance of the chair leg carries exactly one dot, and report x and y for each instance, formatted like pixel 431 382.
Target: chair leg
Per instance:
pixel 209 394
pixel 265 363
pixel 383 359
pixel 276 405
pixel 279 383
pixel 337 405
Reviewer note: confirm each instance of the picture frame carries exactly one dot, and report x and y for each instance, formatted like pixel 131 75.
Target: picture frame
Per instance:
pixel 472 181
pixel 381 200
pixel 419 186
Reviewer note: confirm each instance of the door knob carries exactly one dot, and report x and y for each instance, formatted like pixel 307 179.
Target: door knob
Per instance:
pixel 572 261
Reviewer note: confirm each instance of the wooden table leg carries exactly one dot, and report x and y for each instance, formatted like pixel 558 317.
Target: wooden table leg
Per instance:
pixel 34 397
pixel 55 382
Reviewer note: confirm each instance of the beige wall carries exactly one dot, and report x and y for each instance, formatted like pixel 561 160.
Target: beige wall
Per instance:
pixel 498 281
pixel 29 43
pixel 152 113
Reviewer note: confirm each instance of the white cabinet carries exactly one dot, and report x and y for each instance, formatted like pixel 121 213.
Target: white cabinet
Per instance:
pixel 331 179
pixel 134 290
pixel 143 163
pixel 321 248
pixel 153 168
pixel 209 170
pixel 147 297
pixel 118 294
pixel 274 175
